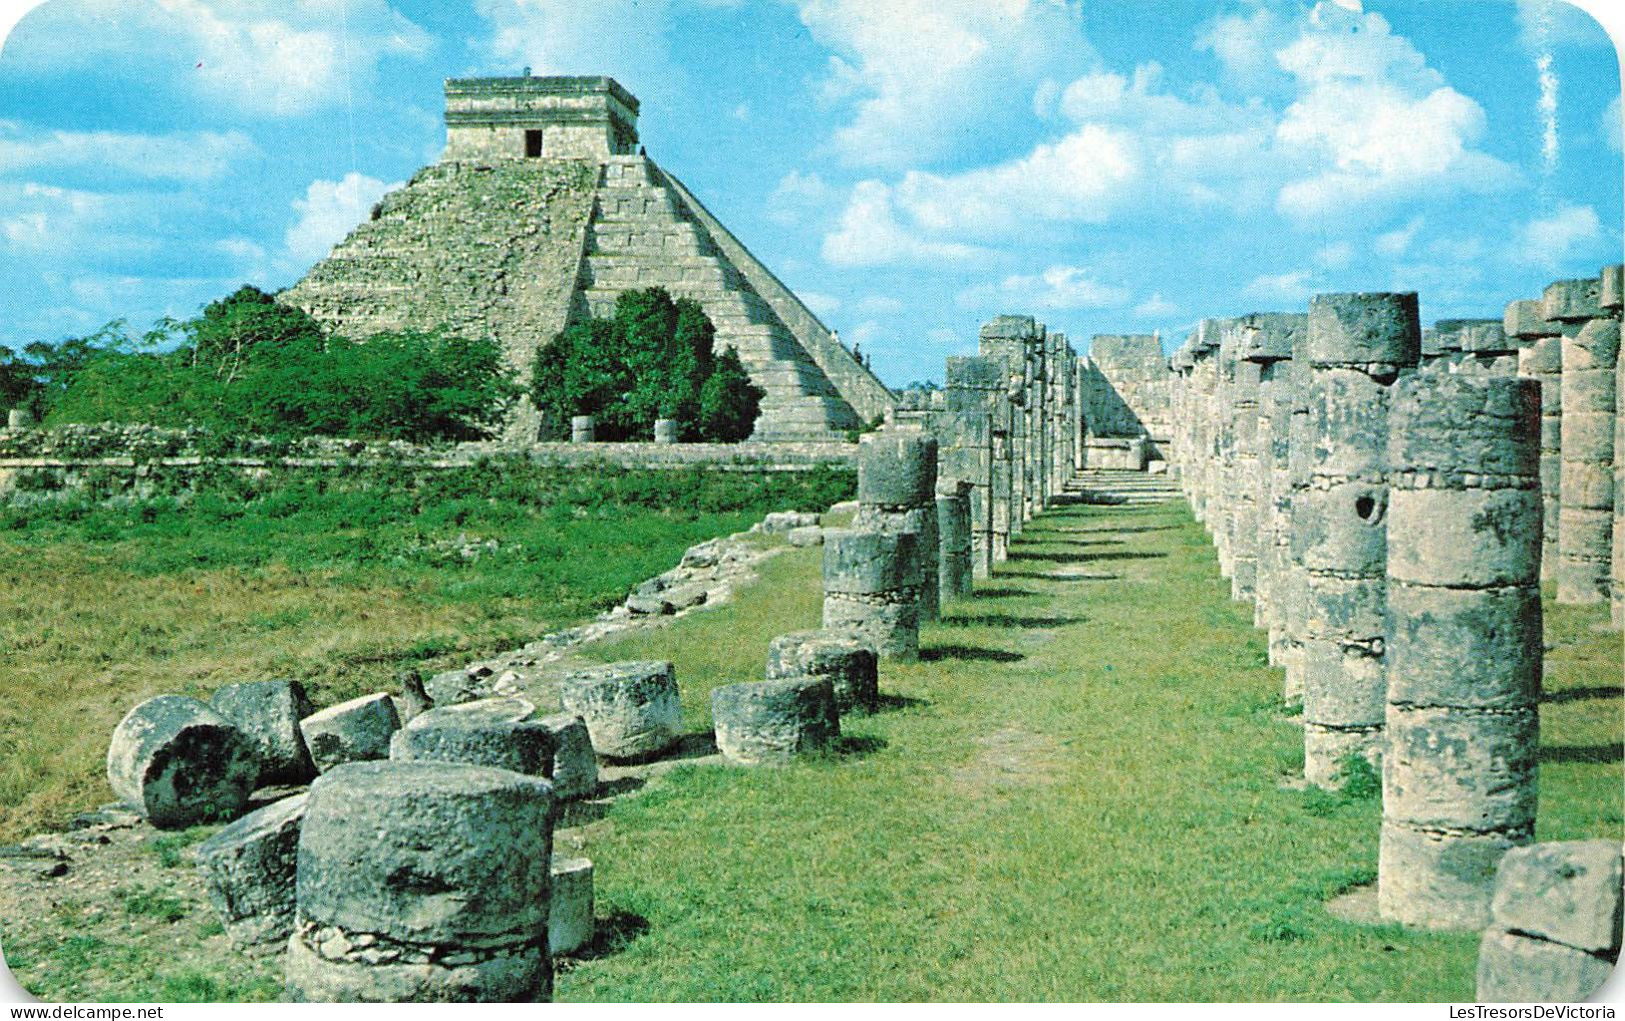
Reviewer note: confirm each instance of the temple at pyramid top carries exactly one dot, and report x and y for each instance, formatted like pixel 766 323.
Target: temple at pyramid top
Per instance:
pixel 559 117
pixel 542 211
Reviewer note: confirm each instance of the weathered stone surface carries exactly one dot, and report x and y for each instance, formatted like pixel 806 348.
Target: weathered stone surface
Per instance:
pixel 389 972
pixel 665 430
pixel 1572 300
pixel 850 665
pixel 575 767
pixel 897 480
pixel 455 686
pixel 954 568
pixel 1517 969
pixel 583 429
pixel 1526 321
pixel 871 586
pixel 352 731
pixel 1564 892
pixel 1364 329
pixel 497 732
pixel 179 763
pixel 269 713
pixel 1590 364
pixel 1438 880
pixel 1462 724
pixel 787 521
pixel 807 535
pixel 430 852
pixel 570 915
pixel 768 723
pixel 248 870
pixel 414 699
pixel 631 708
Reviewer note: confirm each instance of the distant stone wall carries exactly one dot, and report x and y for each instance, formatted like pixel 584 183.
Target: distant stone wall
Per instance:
pixel 1126 388
pixel 142 461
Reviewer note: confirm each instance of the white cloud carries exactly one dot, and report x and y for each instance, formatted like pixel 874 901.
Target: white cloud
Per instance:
pixel 69 224
pixel 920 73
pixel 1155 307
pixel 622 38
pixel 1549 241
pixel 799 197
pixel 1293 287
pixel 1544 24
pixel 1395 243
pixel 1056 288
pixel 823 305
pixel 190 156
pixel 870 235
pixel 1383 123
pixel 328 212
pixel 1335 255
pixel 1245 45
pixel 264 57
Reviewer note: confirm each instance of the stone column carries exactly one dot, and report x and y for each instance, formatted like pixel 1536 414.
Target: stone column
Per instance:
pixel 1586 488
pixel 582 429
pixel 1222 489
pixel 1464 643
pixel 954 536
pixel 1269 339
pixel 1242 479
pixel 872 587
pixel 1295 578
pixel 1358 346
pixel 1540 357
pixel 1181 366
pixel 1613 296
pixel 1441 346
pixel 423 882
pixel 897 492
pixel 972 389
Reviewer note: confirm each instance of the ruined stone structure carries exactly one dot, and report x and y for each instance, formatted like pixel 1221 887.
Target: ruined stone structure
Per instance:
pixel 1464 643
pixel 1124 391
pixel 541 212
pixel 1540 357
pixel 1358 346
pixel 872 587
pixel 897 482
pixel 1586 485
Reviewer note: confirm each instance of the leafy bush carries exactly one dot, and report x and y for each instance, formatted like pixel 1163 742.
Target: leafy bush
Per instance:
pixel 654 358
pixel 247 364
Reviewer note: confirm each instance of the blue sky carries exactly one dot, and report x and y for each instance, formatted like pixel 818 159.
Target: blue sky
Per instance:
pixel 911 168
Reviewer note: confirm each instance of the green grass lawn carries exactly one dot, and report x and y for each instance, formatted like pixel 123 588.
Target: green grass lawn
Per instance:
pixel 1076 794
pixel 339 582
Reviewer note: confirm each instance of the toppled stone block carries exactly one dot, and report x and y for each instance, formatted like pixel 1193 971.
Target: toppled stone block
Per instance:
pixel 631 708
pixel 352 731
pixel 496 732
pixel 848 662
pixel 269 713
pixel 179 763
pixel 455 686
pixel 768 723
pixel 414 699
pixel 1565 892
pixel 423 881
pixel 844 507
pixel 806 535
pixel 575 767
pixel 248 870
pixel 785 521
pixel 1517 969
pixel 569 918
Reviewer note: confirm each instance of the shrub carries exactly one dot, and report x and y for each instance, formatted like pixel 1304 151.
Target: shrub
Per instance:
pixel 654 358
pixel 249 365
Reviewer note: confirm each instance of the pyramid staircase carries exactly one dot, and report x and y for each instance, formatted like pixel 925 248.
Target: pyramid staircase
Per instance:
pixel 642 235
pixel 1122 486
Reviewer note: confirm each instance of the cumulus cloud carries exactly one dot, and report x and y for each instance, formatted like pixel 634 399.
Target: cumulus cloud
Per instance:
pixel 823 305
pixel 1569 231
pixel 188 156
pixel 869 234
pixel 1155 307
pixel 919 74
pixel 1395 243
pixel 1335 255
pixel 798 197
pixel 263 57
pixel 1377 117
pixel 1245 46
pixel 328 212
pixel 1056 288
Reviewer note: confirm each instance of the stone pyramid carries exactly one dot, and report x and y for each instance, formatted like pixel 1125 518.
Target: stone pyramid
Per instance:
pixel 539 214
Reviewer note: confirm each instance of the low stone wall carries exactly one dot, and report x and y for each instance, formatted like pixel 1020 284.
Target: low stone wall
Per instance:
pixel 142 460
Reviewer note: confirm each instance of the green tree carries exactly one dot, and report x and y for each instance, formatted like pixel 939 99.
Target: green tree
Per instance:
pixel 653 358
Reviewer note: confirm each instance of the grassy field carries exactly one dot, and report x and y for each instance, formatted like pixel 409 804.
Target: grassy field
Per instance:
pixel 1076 794
pixel 338 582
